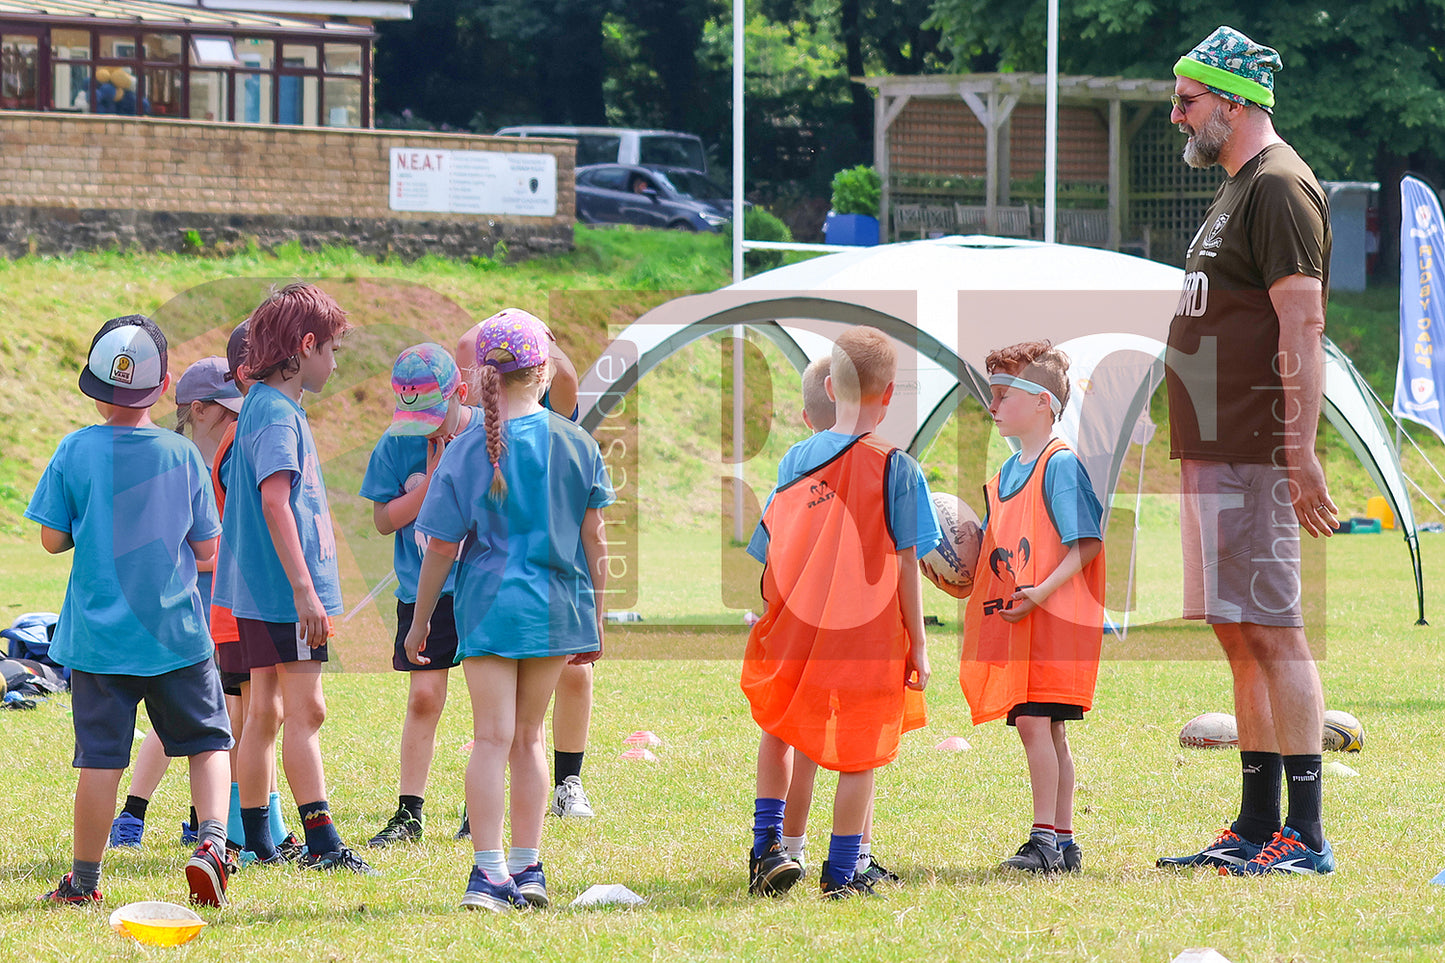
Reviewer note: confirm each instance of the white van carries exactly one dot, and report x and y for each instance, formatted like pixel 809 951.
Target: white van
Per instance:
pixel 623 145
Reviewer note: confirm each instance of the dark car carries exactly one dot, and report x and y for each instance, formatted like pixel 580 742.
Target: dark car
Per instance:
pixel 651 196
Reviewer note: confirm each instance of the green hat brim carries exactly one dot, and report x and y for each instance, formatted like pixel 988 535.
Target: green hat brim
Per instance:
pixel 1219 77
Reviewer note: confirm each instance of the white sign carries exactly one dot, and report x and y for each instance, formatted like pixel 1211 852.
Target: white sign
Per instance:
pixel 472 182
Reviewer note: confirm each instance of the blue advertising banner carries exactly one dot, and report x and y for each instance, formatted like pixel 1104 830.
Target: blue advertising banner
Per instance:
pixel 1419 381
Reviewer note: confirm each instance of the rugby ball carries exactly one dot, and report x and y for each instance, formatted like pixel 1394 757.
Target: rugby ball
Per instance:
pixel 1212 730
pixel 1343 732
pixel 956 557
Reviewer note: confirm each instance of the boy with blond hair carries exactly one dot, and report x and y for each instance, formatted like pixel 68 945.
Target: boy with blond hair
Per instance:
pixel 819 414
pixel 828 666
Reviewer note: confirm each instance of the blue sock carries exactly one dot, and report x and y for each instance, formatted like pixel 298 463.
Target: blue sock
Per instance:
pixel 278 825
pixel 235 829
pixel 843 857
pixel 257 830
pixel 767 823
pixel 321 834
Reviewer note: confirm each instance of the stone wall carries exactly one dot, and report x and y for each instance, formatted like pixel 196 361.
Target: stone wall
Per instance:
pixel 78 182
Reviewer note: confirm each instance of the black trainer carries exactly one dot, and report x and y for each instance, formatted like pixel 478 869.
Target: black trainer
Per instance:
pixel 877 873
pixel 1034 857
pixel 774 872
pixel 1073 858
pixel 857 886
pixel 401 828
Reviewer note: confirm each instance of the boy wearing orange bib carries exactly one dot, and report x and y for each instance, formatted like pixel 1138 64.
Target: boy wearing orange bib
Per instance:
pixel 1034 623
pixel 835 666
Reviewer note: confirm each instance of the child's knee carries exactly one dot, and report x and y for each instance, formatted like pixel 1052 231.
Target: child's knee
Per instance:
pixel 306 715
pixel 426 702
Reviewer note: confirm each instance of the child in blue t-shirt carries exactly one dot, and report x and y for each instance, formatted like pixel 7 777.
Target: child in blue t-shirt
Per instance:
pixel 278 575
pixel 523 498
pixel 572 702
pixel 430 412
pixel 134 501
pixel 207 401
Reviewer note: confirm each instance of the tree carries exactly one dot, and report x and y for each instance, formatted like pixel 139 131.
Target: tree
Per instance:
pixel 1361 95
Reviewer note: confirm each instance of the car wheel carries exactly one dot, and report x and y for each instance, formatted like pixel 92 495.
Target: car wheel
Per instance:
pixel 682 226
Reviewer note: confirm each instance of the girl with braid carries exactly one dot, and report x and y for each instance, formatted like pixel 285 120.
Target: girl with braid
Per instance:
pixel 521 491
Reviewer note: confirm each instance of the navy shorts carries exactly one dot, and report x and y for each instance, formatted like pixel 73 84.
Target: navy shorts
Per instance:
pixel 185 707
pixel 441 641
pixel 1056 711
pixel 267 644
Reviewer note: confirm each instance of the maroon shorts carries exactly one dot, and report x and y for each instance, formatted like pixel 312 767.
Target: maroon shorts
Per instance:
pixel 267 644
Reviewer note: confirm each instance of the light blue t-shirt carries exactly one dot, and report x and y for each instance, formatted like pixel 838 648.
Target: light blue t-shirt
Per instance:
pixel 273 435
pixel 1068 493
pixel 398 465
pixel 522 585
pixel 131 499
pixel 909 503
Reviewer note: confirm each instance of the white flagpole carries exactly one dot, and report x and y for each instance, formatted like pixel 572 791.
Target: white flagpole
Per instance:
pixel 739 57
pixel 1051 128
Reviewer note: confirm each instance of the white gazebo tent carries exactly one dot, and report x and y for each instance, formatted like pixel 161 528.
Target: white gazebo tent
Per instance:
pixel 946 303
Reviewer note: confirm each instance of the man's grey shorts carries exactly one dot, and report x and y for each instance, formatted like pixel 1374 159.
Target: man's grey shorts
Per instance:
pixel 1241 544
pixel 185 707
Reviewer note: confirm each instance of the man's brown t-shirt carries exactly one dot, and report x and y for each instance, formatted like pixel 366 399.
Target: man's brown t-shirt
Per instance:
pixel 1267 222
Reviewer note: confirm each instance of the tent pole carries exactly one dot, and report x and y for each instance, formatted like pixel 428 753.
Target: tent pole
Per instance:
pixel 1413 541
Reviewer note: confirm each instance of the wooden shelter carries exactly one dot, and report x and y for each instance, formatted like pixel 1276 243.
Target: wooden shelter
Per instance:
pixel 964 154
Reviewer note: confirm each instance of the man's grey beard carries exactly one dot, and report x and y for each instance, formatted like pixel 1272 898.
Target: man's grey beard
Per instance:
pixel 1207 140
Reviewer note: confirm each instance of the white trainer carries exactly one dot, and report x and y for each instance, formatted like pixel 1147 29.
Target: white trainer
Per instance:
pixel 569 800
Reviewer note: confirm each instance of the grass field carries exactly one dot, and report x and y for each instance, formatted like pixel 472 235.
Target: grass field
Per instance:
pixel 675 831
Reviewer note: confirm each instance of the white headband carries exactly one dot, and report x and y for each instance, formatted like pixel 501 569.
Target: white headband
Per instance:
pixel 1010 381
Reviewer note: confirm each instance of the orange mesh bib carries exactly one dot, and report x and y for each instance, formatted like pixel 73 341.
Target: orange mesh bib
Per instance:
pixel 1052 655
pixel 223 623
pixel 825 666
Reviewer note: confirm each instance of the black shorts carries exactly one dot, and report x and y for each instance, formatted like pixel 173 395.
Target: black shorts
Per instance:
pixel 231 679
pixel 230 659
pixel 184 705
pixel 1057 711
pixel 441 641
pixel 267 644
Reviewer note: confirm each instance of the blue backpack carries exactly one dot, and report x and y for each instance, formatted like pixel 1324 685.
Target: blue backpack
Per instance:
pixel 30 637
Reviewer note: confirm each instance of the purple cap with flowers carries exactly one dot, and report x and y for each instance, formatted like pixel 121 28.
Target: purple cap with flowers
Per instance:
pixel 515 331
pixel 424 379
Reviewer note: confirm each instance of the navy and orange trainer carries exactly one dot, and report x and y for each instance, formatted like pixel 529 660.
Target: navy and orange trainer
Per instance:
pixel 1287 853
pixel 1229 851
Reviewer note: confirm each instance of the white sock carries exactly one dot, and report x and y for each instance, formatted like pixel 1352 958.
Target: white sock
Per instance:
pixel 490 861
pixel 519 859
pixel 794 845
pixel 865 856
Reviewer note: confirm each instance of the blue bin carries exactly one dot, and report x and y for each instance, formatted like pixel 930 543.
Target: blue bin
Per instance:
pixel 858 230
